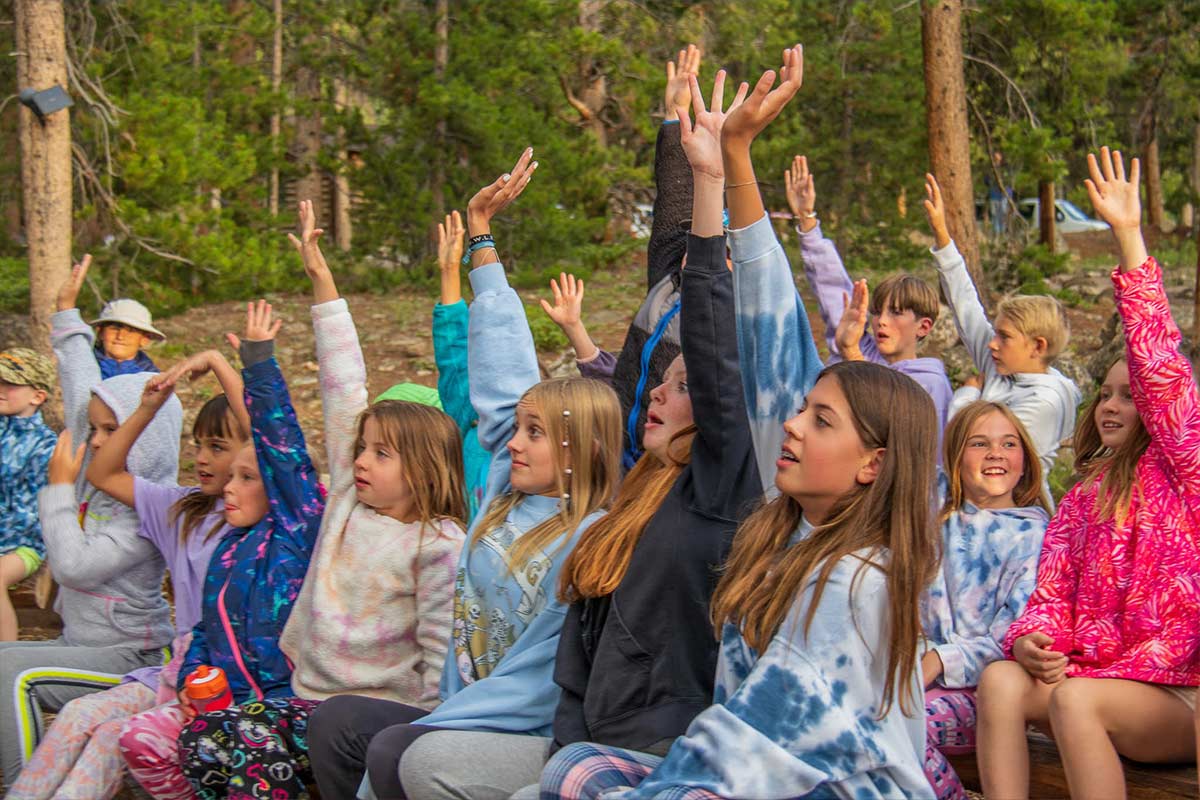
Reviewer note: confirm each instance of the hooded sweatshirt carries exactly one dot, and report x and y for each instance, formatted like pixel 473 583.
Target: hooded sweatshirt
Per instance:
pixel 828 279
pixel 1045 402
pixel 110 578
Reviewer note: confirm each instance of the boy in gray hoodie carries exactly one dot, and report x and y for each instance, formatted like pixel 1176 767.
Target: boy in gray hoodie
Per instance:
pixel 115 618
pixel 1013 358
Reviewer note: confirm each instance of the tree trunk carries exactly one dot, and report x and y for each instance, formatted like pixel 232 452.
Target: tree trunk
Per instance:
pixel 1046 207
pixel 441 60
pixel 276 118
pixel 593 94
pixel 1152 173
pixel 946 118
pixel 308 140
pixel 341 180
pixel 45 160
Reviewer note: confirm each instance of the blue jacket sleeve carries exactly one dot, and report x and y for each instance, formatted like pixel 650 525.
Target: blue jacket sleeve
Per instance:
pixel 779 360
pixel 450 354
pixel 28 454
pixel 197 654
pixel 296 502
pixel 502 364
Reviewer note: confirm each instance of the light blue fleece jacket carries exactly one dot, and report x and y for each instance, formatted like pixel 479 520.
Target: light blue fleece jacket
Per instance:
pixel 1045 402
pixel 988 570
pixel 500 662
pixel 779 359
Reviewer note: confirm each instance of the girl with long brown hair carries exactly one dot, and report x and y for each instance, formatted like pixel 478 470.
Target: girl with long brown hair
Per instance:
pixel 555 448
pixel 1107 653
pixel 817 682
pixel 993 517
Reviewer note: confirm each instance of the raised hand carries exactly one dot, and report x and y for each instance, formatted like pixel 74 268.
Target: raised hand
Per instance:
pixel 496 196
pixel 701 139
pixel 193 367
pixel 68 293
pixel 852 325
pixel 65 461
pixel 1114 197
pixel 568 301
pixel 678 92
pixel 260 324
pixel 309 247
pixel 801 193
pixel 310 234
pixel 157 391
pixel 935 209
pixel 765 103
pixel 450 250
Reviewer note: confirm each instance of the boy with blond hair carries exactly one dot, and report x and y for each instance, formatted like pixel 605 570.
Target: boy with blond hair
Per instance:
pixel 902 309
pixel 26 381
pixel 1014 356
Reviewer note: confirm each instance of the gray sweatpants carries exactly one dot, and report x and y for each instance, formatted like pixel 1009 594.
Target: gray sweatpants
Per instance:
pixel 37 676
pixel 474 765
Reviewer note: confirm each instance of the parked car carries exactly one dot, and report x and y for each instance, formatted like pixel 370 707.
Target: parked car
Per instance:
pixel 1068 217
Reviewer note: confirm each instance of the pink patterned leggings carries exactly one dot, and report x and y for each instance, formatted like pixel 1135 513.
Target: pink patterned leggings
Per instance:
pixel 150 745
pixel 949 729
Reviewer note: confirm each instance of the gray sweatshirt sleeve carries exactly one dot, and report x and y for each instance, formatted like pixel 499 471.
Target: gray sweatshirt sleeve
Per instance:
pixel 78 370
pixel 85 562
pixel 969 316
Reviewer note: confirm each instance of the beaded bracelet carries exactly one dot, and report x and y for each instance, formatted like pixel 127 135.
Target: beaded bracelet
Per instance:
pixel 483 245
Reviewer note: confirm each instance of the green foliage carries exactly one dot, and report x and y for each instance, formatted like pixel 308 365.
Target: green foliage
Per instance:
pixel 546 335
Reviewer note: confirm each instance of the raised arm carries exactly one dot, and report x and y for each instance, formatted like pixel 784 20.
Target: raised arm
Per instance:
pixel 500 353
pixel 969 315
pixel 779 361
pixel 567 314
pixel 672 175
pixel 1160 376
pixel 107 470
pixel 73 340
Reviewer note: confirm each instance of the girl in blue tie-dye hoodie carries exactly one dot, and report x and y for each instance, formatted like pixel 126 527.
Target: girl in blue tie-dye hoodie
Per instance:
pixel 994 515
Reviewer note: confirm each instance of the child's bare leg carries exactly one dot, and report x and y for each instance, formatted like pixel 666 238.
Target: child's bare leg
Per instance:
pixel 12 572
pixel 1008 698
pixel 1094 719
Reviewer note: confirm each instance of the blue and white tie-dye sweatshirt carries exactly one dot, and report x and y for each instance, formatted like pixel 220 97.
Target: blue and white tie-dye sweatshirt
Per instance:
pixel 802 718
pixel 500 662
pixel 988 572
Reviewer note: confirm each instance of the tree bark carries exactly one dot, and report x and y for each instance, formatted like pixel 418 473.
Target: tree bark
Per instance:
pixel 308 140
pixel 946 118
pixel 276 118
pixel 45 160
pixel 441 60
pixel 342 231
pixel 591 98
pixel 1046 196
pixel 1152 172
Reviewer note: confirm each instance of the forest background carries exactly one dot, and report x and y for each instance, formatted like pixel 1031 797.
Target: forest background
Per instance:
pixel 195 127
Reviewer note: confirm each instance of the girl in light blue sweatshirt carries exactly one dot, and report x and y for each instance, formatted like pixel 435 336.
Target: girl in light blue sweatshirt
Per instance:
pixel 994 515
pixel 555 449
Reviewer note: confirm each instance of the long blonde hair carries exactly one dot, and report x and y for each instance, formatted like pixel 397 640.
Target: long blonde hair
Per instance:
pixel 1119 467
pixel 894 512
pixel 588 467
pixel 1027 492
pixel 429 446
pixel 599 561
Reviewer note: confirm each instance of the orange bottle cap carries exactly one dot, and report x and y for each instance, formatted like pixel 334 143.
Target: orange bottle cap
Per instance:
pixel 206 682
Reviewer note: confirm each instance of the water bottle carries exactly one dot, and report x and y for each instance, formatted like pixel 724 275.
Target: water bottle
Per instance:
pixel 208 689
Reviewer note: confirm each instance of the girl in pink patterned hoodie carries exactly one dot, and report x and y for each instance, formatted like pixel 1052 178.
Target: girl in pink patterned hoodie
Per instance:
pixel 1107 653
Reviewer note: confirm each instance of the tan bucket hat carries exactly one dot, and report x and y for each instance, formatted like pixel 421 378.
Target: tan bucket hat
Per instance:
pixel 132 313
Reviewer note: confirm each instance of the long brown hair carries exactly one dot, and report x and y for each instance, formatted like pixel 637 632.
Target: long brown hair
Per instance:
pixel 429 446
pixel 1027 492
pixel 593 434
pixel 599 561
pixel 1119 467
pixel 215 421
pixel 894 513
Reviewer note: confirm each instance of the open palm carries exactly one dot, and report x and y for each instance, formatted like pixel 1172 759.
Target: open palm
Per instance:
pixel 701 139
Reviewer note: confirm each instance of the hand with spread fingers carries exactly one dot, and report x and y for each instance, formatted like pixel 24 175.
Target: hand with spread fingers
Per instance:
pixel 853 323
pixel 701 139
pixel 801 193
pixel 261 326
pixel 766 101
pixel 679 72
pixel 1118 203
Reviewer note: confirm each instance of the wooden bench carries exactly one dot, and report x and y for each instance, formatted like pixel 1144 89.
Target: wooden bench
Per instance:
pixel 33 622
pixel 1047 780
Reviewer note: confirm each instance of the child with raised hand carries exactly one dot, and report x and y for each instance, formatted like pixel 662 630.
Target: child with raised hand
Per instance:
pixel 373 616
pixel 450 319
pixel 1014 356
pixel 79 757
pixel 26 381
pixel 555 451
pixel 652 340
pixel 273 507
pixel 115 618
pixel 123 330
pixel 645 572
pixel 567 314
pixel 993 517
pixel 902 309
pixel 1114 609
pixel 806 703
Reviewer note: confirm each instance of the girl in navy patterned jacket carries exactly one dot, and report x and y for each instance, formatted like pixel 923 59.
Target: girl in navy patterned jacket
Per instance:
pixel 275 502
